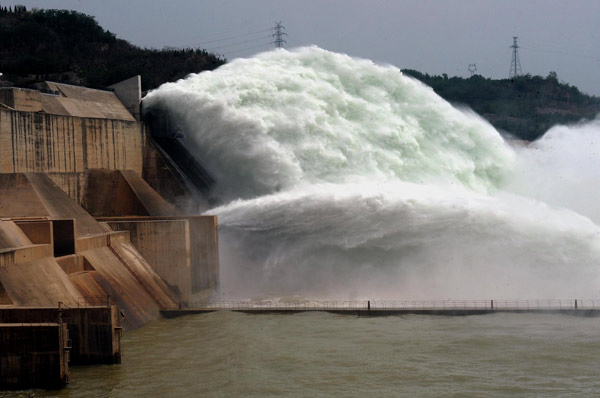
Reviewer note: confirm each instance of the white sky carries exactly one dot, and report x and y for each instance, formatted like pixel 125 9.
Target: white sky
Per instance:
pixel 430 36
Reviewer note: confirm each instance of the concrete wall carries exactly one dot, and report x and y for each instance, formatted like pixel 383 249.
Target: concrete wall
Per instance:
pixel 95 263
pixel 166 247
pixel 38 232
pixel 94 332
pixel 33 355
pixel 130 93
pixel 65 146
pixel 182 250
pixel 83 102
pixel 111 193
pixel 205 252
pixel 21 99
pixel 165 179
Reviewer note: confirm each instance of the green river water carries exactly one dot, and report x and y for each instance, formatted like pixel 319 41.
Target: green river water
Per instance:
pixel 229 354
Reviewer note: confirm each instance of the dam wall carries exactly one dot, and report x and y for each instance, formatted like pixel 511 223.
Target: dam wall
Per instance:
pixel 182 250
pixel 33 355
pixel 68 131
pixel 66 147
pixel 68 156
pixel 94 332
pixel 77 259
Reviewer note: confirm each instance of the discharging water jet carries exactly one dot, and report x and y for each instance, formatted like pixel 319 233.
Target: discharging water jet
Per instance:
pixel 340 178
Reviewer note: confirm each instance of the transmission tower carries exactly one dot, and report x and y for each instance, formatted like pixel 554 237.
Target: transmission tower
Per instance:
pixel 473 69
pixel 515 64
pixel 278 35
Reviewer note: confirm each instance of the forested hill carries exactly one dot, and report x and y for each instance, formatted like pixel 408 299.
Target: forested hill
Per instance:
pixel 71 47
pixel 526 106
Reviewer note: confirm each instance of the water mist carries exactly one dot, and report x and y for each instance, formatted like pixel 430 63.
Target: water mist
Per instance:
pixel 338 178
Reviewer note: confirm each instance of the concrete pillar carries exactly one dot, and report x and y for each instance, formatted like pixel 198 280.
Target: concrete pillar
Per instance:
pixel 130 93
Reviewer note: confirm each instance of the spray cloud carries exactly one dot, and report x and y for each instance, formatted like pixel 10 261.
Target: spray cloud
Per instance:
pixel 340 178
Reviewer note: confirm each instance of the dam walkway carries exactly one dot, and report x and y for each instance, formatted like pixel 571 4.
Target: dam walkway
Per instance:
pixel 389 308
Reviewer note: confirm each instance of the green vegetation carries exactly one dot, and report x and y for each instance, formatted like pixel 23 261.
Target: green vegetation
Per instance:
pixel 526 106
pixel 70 46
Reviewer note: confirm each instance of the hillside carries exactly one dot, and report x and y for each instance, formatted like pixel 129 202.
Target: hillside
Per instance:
pixel 71 47
pixel 526 106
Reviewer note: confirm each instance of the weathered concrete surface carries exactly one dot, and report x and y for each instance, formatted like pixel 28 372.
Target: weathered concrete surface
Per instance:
pixel 33 355
pixel 144 274
pixel 165 244
pixel 105 263
pixel 123 193
pixel 94 332
pixel 170 182
pixel 38 283
pixel 38 232
pixel 35 195
pixel 109 194
pixel 84 102
pixel 29 275
pixel 154 204
pixel 37 142
pixel 65 147
pixel 110 278
pixel 205 252
pixel 130 93
pixel 18 198
pixel 12 236
pixel 67 101
pixel 55 203
pixel 21 99
pixel 182 250
pixel 54 148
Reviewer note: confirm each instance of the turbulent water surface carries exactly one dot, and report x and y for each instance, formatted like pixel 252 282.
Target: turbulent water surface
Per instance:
pixel 339 178
pixel 323 355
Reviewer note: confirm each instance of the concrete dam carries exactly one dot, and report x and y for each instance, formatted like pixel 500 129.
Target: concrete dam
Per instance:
pixel 95 231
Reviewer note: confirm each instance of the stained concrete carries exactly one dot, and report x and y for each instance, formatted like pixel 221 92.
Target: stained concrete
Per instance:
pixel 183 250
pixel 130 93
pixel 108 263
pixel 94 332
pixel 33 355
pixel 59 145
pixel 86 102
pixel 67 100
pixel 123 193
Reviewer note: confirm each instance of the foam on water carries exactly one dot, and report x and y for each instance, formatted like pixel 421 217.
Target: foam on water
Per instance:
pixel 337 177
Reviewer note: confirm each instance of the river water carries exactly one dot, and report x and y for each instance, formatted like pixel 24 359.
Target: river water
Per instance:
pixel 230 354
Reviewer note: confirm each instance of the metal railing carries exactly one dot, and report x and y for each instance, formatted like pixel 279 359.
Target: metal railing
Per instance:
pixel 421 305
pixel 95 301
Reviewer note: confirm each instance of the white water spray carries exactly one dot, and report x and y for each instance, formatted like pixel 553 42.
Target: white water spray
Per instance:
pixel 340 178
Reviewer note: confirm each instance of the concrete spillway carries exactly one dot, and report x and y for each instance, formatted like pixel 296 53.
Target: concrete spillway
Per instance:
pixel 172 146
pixel 91 263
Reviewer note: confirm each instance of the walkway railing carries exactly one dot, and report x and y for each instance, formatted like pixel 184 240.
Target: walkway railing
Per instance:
pixel 428 305
pixel 94 301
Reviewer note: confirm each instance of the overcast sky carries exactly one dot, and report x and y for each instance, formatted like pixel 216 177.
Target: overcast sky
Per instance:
pixel 430 36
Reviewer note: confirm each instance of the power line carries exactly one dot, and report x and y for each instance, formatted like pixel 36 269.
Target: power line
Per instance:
pixel 238 43
pixel 195 36
pixel 515 63
pixel 246 49
pixel 560 52
pixel 232 37
pixel 225 39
